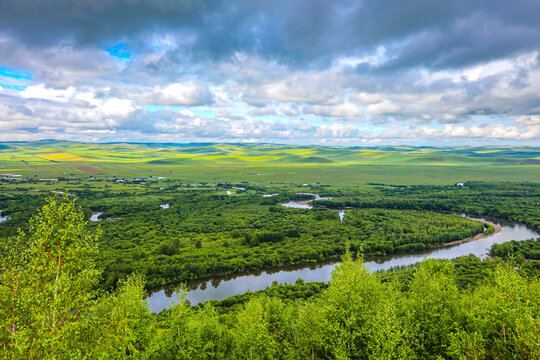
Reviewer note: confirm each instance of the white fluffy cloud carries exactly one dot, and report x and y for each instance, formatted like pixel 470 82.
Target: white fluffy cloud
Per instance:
pixel 346 111
pixel 189 93
pixel 364 98
pixel 383 108
pixel 65 110
pixel 42 92
pixel 337 130
pixel 491 131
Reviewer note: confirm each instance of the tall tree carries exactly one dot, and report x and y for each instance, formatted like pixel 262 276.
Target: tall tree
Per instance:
pixel 48 305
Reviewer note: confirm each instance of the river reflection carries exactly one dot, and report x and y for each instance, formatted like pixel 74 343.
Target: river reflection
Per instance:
pixel 220 287
pixel 4 218
pixel 95 216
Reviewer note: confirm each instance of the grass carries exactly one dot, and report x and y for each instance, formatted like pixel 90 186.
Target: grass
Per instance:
pixel 277 164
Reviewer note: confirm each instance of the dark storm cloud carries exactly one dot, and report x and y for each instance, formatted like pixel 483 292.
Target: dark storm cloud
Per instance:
pixel 428 33
pixel 479 37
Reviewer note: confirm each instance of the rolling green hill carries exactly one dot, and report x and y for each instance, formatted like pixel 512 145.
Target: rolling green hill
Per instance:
pixel 267 163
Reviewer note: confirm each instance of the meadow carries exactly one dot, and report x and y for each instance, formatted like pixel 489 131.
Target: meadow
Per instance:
pixel 270 164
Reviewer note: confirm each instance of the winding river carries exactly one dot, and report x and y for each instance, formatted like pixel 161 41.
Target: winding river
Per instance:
pixel 220 287
pixel 307 204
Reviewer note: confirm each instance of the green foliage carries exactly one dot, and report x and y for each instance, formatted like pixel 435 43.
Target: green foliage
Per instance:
pixel 365 316
pixel 519 250
pixel 489 230
pixel 286 293
pixel 359 316
pixel 501 319
pixel 269 236
pixel 431 308
pixel 205 232
pixel 48 305
pixel 200 236
pixel 518 202
pixel 438 309
pixel 192 335
pixel 526 255
pixel 461 309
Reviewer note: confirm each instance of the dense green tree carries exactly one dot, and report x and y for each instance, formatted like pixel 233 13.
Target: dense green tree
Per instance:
pixel 192 335
pixel 502 319
pixel 358 316
pixel 432 308
pixel 49 307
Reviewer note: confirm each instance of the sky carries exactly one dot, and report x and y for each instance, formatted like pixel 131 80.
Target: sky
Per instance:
pixel 348 73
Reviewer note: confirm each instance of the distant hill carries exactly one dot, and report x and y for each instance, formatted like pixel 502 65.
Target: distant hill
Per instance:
pixel 316 159
pixel 59 151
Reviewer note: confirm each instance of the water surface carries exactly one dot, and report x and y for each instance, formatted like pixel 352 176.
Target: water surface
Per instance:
pixel 220 287
pixel 4 218
pixel 95 216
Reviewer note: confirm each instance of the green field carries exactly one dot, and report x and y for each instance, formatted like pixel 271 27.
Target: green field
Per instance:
pixel 270 164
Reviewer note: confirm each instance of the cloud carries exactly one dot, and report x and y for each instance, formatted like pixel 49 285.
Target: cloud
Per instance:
pixel 345 111
pixel 383 108
pixel 262 111
pixel 336 131
pixel 42 92
pixel 442 34
pixel 456 70
pixel 190 93
pixel 312 87
pixel 289 111
pixel 64 110
pixel 529 120
pixel 485 131
pixel 364 98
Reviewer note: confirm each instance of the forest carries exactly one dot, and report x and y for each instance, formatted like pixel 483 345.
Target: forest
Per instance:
pixel 451 309
pixel 207 232
pixel 512 201
pixel 438 309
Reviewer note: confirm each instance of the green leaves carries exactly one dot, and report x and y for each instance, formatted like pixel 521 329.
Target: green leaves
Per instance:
pixel 506 314
pixel 47 281
pixel 48 305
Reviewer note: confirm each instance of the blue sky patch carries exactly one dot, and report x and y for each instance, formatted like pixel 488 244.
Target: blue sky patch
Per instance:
pixel 120 51
pixel 14 87
pixel 205 113
pixel 15 73
pixel 152 108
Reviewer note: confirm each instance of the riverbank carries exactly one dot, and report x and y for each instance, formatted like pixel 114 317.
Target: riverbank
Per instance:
pixel 303 263
pixel 220 287
pixel 496 228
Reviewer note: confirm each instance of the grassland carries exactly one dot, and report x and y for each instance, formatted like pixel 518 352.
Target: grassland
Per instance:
pixel 270 164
